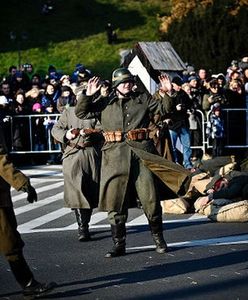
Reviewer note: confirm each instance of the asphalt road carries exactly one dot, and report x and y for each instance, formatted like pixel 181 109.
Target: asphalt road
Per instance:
pixel 206 260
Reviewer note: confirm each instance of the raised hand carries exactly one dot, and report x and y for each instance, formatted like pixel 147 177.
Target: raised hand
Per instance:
pixel 93 86
pixel 165 82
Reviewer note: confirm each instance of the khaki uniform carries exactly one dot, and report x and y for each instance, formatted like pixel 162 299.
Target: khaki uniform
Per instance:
pixel 128 166
pixel 9 176
pixel 11 244
pixel 81 165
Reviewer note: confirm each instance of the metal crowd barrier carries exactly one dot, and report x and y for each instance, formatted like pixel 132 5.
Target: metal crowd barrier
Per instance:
pixel 16 123
pixel 236 128
pixel 232 119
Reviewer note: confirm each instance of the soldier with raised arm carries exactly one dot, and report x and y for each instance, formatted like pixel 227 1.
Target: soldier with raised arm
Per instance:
pixel 127 156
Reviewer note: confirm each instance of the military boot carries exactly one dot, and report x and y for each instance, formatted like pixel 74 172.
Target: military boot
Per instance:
pixel 83 218
pixel 157 235
pixel 119 239
pixel 31 288
pixel 35 289
pixel 20 269
pixel 161 246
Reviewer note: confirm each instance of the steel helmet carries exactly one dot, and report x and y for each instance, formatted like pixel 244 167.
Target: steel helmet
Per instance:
pixel 121 75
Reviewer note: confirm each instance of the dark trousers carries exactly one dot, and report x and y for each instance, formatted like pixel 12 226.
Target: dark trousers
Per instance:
pixel 11 246
pixel 218 147
pixel 142 183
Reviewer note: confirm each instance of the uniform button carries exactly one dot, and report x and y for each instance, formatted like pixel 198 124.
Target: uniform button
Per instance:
pixel 128 123
pixel 128 115
pixel 126 107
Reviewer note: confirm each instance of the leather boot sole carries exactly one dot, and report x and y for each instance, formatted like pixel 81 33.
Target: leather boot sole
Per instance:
pixel 38 291
pixel 115 254
pixel 161 250
pixel 83 238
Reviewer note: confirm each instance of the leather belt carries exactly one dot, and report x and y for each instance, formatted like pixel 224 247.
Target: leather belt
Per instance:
pixel 139 134
pixel 80 145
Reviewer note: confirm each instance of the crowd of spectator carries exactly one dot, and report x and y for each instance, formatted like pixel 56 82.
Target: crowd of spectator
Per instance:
pixel 25 92
pixel 219 100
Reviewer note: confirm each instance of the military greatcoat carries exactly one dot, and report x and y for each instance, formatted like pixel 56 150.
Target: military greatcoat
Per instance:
pixel 81 165
pixel 126 114
pixel 10 240
pixel 9 175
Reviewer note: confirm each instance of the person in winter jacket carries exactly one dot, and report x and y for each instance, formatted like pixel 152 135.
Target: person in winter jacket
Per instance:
pixel 215 130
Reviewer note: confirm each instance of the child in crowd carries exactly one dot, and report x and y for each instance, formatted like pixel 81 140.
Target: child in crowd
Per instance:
pixel 48 122
pixel 39 132
pixel 215 130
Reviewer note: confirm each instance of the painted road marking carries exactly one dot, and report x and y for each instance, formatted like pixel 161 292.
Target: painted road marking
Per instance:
pixel 45 188
pixel 97 217
pixel 227 240
pixel 44 219
pixel 35 205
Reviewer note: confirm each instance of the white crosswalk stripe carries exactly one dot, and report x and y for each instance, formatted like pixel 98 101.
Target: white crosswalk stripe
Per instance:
pixel 96 218
pixel 227 240
pixel 22 195
pixel 41 172
pixel 28 207
pixel 43 219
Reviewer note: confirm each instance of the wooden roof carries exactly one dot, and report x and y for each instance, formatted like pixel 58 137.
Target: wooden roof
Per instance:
pixel 156 57
pixel 161 56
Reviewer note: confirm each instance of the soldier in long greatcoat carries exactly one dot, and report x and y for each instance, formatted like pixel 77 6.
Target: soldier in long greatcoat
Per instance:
pixel 127 156
pixel 11 243
pixel 81 166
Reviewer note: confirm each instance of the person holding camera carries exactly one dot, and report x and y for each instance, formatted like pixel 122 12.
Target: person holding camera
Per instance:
pixel 126 175
pixel 213 96
pixel 11 245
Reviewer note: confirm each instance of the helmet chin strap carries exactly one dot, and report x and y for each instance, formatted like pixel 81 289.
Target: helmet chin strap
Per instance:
pixel 123 95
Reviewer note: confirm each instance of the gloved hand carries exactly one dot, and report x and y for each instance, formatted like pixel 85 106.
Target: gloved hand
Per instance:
pixel 32 195
pixel 69 135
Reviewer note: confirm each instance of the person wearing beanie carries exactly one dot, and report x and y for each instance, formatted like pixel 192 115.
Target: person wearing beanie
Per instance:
pixel 179 125
pixel 38 130
pixel 20 81
pixel 213 96
pixel 37 107
pixel 66 99
pixel 177 80
pixel 215 130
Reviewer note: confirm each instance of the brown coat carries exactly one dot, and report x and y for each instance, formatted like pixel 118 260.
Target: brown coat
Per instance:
pixel 9 175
